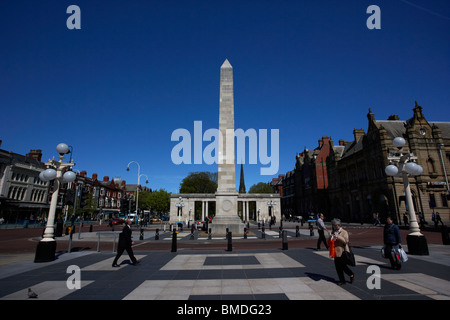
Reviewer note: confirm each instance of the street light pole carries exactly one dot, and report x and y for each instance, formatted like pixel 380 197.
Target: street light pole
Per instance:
pixel 180 206
pixel 417 243
pixel 139 179
pixel 137 186
pixel 46 248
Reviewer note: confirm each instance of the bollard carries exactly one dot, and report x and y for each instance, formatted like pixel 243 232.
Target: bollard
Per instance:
pixel 280 233
pixel 157 234
pixel 311 229
pixel 174 241
pixel 284 245
pixel 209 234
pixel 259 225
pixel 245 233
pixel 263 233
pixel 192 233
pixel 90 228
pixel 141 235
pixel 297 231
pixel 444 234
pixel 229 236
pixel 72 230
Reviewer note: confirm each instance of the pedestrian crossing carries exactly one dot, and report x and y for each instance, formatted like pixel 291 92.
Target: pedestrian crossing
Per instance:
pixel 106 265
pixel 360 260
pixel 250 274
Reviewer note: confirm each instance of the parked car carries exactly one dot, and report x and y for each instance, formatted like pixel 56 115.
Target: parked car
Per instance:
pixel 117 221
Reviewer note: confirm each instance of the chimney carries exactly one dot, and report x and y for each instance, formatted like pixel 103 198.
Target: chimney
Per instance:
pixel 393 117
pixel 105 179
pixel 320 143
pixel 35 154
pixel 358 133
pixel 94 176
pixel 83 173
pixel 341 142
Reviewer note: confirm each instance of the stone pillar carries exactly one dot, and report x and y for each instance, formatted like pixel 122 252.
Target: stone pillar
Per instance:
pixel 226 195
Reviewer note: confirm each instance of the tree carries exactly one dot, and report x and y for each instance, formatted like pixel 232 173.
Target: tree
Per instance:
pixel 261 187
pixel 199 182
pixel 158 200
pixel 90 206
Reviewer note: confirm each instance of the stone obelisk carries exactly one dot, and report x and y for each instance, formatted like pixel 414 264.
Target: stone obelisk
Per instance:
pixel 226 195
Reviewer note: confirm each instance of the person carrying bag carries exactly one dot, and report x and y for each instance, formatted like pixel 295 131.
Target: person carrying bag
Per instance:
pixel 392 240
pixel 341 240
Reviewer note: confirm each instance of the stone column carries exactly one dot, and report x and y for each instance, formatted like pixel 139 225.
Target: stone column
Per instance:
pixel 226 195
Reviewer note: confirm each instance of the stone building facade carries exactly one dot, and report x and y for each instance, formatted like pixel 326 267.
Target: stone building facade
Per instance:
pixel 358 185
pixel 347 179
pixel 23 196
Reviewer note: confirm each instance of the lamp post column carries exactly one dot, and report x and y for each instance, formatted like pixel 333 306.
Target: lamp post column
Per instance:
pixel 413 225
pixel 46 248
pixel 50 227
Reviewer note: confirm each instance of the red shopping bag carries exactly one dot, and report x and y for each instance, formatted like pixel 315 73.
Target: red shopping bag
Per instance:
pixel 331 247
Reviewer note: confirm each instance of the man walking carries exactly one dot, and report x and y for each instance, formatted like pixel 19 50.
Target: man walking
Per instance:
pixel 125 243
pixel 321 228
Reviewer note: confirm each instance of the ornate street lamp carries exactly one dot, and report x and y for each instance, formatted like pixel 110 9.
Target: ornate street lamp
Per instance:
pixel 180 206
pixel 406 165
pixel 46 248
pixel 270 204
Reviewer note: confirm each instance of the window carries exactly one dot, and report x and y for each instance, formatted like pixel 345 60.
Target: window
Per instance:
pixel 430 164
pixel 432 202
pixel 444 200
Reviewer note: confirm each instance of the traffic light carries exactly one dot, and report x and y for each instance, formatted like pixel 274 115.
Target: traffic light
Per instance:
pixel 132 205
pixel 124 205
pixel 69 197
pixel 84 196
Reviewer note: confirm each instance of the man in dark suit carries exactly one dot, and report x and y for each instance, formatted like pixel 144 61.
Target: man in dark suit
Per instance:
pixel 125 243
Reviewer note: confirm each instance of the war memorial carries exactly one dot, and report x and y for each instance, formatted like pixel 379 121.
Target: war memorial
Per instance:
pixel 227 200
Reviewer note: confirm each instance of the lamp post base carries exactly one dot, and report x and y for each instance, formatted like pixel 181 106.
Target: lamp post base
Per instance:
pixel 417 245
pixel 45 251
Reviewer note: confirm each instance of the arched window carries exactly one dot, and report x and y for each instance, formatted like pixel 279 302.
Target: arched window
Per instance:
pixel 430 165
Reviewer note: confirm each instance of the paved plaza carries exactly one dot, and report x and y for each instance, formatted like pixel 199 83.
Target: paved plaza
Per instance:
pixel 246 274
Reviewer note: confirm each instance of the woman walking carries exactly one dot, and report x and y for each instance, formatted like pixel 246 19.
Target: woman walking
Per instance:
pixel 340 236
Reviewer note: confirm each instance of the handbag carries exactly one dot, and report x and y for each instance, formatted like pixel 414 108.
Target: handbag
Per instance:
pixel 401 253
pixel 349 257
pixel 331 248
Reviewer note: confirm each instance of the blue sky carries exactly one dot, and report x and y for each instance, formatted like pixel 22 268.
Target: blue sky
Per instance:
pixel 138 70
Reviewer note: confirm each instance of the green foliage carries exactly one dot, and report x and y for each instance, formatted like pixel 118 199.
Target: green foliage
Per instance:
pixel 158 200
pixel 261 187
pixel 199 182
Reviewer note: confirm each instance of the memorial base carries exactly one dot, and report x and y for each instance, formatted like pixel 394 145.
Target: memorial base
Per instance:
pixel 220 225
